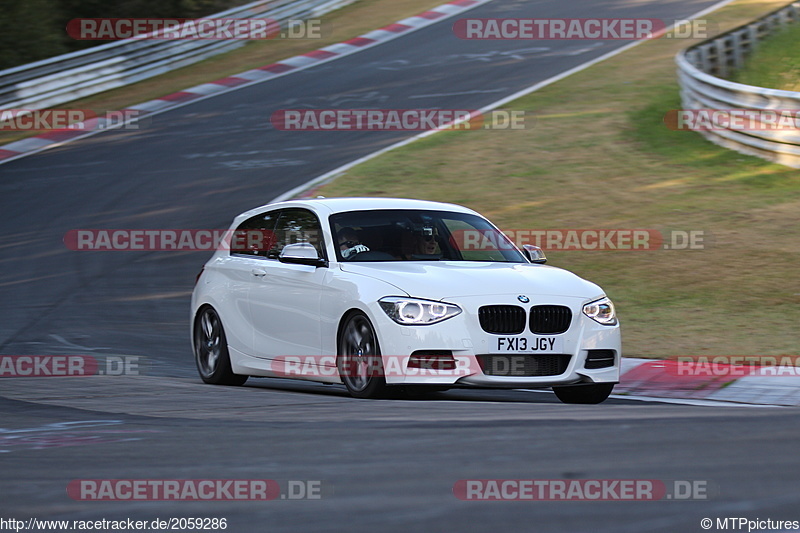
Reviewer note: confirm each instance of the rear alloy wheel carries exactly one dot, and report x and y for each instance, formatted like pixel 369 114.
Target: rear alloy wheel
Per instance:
pixel 359 362
pixel 211 350
pixel 587 394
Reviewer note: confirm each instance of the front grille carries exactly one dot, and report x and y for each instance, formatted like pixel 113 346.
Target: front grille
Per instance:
pixel 517 365
pixel 550 319
pixel 599 359
pixel 502 319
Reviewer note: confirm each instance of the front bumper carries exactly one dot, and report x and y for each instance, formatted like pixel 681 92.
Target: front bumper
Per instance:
pixel 464 338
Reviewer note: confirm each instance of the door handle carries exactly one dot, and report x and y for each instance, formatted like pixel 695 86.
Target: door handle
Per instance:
pixel 258 272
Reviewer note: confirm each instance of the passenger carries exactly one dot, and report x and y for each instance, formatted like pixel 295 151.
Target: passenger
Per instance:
pixel 426 242
pixel 421 242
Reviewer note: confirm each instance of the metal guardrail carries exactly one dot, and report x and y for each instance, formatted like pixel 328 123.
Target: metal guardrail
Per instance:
pixel 700 72
pixel 76 75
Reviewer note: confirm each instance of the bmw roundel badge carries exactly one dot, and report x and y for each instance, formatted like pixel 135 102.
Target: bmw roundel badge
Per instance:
pixel 524 299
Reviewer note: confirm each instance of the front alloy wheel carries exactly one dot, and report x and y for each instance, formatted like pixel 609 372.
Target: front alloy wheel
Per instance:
pixel 211 350
pixel 359 362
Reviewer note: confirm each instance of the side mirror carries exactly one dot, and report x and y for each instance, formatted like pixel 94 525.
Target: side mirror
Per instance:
pixel 301 253
pixel 534 254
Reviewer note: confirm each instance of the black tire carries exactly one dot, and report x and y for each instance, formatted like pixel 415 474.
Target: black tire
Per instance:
pixel 586 394
pixel 211 350
pixel 359 361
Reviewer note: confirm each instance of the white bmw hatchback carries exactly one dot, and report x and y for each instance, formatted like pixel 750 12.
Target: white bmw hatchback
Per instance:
pixel 378 292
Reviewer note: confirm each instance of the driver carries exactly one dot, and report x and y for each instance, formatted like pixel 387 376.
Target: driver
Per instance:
pixel 349 245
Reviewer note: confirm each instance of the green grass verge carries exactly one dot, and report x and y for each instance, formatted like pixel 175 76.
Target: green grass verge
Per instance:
pixel 599 156
pixel 775 63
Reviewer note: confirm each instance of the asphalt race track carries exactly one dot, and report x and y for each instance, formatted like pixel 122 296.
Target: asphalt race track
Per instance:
pixel 388 464
pixel 392 464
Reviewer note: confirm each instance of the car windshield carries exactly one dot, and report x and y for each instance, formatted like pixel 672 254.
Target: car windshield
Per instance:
pixel 419 235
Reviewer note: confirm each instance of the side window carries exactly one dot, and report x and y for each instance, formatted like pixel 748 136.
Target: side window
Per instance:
pixel 255 236
pixel 297 225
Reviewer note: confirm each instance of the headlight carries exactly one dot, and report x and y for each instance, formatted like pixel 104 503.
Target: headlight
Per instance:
pixel 410 311
pixel 601 311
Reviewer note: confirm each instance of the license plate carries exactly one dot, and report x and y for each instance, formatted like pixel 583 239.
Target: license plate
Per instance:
pixel 528 345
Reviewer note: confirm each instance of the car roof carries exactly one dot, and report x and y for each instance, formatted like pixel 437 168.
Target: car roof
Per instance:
pixel 339 205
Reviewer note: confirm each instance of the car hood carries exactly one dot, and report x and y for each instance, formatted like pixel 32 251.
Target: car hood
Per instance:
pixel 450 279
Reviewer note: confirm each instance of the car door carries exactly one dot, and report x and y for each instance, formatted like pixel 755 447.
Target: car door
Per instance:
pixel 285 299
pixel 248 245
